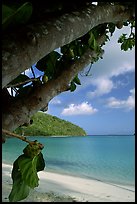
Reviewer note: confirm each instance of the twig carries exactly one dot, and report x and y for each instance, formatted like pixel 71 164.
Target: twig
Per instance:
pixel 20 83
pixel 33 72
pixel 17 136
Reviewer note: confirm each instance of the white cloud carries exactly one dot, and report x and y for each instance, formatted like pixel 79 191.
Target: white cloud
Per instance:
pixel 122 69
pixel 114 63
pixel 80 109
pixel 127 104
pixel 103 86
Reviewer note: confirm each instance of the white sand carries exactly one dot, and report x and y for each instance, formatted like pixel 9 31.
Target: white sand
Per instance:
pixel 84 190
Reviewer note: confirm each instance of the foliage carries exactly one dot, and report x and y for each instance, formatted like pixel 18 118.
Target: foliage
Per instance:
pixel 127 42
pixel 46 125
pixel 52 64
pixel 18 14
pixel 24 172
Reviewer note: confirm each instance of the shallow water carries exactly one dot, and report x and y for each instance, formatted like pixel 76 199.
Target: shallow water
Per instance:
pixel 106 158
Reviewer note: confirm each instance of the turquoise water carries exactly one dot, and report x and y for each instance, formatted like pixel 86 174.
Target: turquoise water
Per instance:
pixel 106 158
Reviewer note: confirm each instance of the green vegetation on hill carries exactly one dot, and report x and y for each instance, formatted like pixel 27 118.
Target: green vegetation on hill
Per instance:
pixel 47 125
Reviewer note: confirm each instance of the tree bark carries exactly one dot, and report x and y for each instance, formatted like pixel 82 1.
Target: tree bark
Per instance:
pixel 20 111
pixel 25 47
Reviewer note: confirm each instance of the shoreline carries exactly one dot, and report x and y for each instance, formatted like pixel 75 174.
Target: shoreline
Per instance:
pixel 54 187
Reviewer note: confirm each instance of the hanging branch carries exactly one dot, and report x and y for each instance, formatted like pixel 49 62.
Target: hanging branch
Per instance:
pixel 6 132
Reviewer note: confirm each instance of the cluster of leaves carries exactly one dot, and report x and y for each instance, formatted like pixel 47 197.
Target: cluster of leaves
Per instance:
pixel 127 42
pixel 53 63
pixel 24 172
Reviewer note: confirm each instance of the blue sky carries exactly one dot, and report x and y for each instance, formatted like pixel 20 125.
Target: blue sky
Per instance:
pixel 105 102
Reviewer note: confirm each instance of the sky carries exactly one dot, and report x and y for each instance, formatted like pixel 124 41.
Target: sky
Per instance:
pixel 104 103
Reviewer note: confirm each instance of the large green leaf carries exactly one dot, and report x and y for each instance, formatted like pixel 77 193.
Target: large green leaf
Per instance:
pixel 28 170
pixel 19 189
pixel 24 176
pixel 12 16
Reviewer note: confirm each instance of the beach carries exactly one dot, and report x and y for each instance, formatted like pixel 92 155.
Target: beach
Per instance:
pixel 54 187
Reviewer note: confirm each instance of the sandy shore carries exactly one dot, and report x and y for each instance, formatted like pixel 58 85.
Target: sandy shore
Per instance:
pixel 60 188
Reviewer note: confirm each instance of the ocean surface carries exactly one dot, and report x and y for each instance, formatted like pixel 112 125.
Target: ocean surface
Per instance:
pixel 106 158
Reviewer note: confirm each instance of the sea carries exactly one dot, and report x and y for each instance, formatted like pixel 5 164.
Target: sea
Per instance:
pixel 109 158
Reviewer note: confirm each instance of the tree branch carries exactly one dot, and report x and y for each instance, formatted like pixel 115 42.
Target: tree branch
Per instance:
pixel 6 132
pixel 22 49
pixel 20 111
pixel 21 83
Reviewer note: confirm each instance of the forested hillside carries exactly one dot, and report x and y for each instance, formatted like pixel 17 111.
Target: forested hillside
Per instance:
pixel 45 124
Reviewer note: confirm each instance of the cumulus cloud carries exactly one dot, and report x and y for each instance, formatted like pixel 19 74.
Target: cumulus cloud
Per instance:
pixel 113 64
pixel 122 69
pixel 79 109
pixel 103 86
pixel 127 104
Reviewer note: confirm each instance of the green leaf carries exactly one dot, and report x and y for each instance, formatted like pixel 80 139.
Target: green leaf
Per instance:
pixel 124 46
pixel 28 170
pixel 6 13
pixel 24 172
pixel 7 20
pixel 48 64
pixel 40 162
pixel 19 188
pixel 32 150
pixel 64 49
pixel 19 191
pixel 111 27
pixel 125 23
pixel 91 39
pixel 133 24
pixel 92 42
pixel 72 86
pixel 122 38
pixel 77 80
pixel 23 13
pixel 14 16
